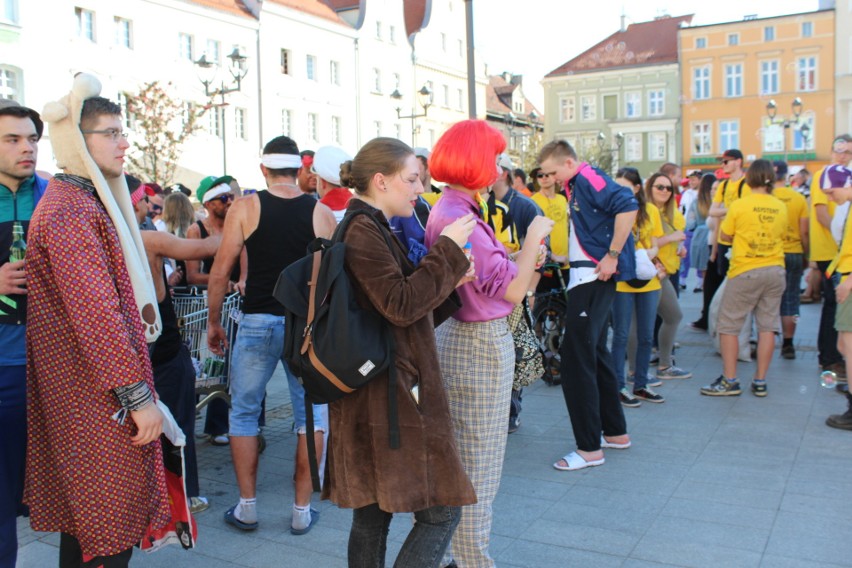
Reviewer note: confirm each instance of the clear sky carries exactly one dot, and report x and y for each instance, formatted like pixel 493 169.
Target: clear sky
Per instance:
pixel 534 37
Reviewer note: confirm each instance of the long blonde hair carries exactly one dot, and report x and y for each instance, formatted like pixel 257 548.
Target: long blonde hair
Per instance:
pixel 178 214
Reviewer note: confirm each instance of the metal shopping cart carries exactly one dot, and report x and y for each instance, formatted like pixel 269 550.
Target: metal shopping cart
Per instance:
pixel 212 372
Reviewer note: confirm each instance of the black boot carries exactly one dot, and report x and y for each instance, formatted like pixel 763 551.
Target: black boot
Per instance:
pixel 842 421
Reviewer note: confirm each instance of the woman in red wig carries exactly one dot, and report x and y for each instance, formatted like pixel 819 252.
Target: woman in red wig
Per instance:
pixel 475 346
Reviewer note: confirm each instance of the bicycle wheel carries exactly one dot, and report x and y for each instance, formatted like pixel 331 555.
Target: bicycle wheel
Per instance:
pixel 548 317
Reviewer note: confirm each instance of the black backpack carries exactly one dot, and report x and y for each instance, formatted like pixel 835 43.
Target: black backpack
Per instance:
pixel 332 344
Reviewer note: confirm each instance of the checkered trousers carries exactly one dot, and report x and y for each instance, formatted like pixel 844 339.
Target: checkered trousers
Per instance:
pixel 477 363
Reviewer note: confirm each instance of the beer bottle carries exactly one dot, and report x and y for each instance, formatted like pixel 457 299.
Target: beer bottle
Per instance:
pixel 19 247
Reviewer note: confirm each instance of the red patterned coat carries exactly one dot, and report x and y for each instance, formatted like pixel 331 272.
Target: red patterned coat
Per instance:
pixel 84 338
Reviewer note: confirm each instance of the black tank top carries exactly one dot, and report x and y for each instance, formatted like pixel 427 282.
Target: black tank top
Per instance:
pixel 284 230
pixel 207 263
pixel 168 344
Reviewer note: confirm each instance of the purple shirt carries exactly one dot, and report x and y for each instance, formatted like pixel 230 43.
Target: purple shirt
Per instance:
pixel 482 299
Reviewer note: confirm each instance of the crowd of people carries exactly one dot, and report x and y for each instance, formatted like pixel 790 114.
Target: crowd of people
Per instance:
pixel 453 240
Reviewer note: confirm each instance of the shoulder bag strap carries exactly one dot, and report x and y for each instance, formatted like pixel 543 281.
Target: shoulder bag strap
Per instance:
pixel 312 292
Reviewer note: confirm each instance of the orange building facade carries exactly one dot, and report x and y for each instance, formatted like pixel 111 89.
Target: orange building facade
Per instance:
pixel 762 85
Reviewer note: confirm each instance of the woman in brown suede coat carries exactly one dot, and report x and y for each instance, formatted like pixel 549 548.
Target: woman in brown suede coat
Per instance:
pixel 425 474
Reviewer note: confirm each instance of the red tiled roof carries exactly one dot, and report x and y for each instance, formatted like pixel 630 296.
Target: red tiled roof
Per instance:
pixel 415 11
pixel 645 43
pixel 233 6
pixel 498 97
pixel 313 7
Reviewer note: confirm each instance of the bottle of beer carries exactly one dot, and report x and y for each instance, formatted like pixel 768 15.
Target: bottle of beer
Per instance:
pixel 18 250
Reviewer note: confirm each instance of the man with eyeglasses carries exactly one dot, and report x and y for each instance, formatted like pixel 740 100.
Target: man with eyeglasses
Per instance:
pixel 823 249
pixel 730 189
pixel 20 190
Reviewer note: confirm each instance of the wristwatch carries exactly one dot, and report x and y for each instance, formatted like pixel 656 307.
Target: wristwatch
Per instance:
pixel 614 253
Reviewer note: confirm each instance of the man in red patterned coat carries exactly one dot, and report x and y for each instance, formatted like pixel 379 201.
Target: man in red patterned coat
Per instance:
pixel 94 462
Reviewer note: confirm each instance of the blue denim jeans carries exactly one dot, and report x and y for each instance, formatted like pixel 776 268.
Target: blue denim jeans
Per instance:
pixel 642 305
pixel 424 547
pixel 13 424
pixel 258 349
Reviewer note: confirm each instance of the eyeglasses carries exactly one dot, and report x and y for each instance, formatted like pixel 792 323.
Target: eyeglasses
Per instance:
pixel 224 198
pixel 725 162
pixel 113 133
pixel 545 174
pixel 662 187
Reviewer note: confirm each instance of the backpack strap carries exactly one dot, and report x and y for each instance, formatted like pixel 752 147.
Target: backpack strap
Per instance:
pixel 312 293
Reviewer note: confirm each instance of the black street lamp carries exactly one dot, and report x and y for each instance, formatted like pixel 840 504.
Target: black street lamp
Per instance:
pixel 613 150
pixel 424 98
pixel 207 72
pixel 531 126
pixel 796 106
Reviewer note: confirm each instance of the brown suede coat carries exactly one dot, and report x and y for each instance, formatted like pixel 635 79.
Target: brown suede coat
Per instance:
pixel 426 470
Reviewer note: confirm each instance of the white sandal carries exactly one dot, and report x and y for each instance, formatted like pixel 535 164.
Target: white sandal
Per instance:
pixel 613 445
pixel 575 461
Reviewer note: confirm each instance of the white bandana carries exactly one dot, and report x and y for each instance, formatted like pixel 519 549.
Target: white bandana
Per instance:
pixel 216 191
pixel 281 161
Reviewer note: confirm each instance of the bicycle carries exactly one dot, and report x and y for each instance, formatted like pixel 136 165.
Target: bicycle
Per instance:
pixel 549 314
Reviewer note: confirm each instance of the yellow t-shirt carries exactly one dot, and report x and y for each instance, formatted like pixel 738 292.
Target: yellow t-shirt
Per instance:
pixel 503 231
pixel 642 240
pixel 797 209
pixel 556 209
pixel 758 224
pixel 843 263
pixel 822 243
pixel 668 253
pixel 728 192
pixel 431 197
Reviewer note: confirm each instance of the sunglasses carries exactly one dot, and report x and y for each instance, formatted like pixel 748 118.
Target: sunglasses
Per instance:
pixel 545 174
pixel 224 198
pixel 662 187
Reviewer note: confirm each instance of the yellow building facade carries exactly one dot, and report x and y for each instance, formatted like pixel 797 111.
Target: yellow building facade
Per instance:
pixel 762 85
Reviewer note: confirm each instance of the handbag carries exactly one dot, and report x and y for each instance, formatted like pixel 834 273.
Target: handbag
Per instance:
pixel 529 363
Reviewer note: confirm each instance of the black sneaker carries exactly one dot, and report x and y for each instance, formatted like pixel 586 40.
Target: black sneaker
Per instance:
pixel 628 399
pixel 788 351
pixel 514 424
pixel 840 421
pixel 648 395
pixel 699 325
pixel 758 388
pixel 722 387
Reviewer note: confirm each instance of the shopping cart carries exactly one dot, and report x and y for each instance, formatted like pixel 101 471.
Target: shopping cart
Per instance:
pixel 212 372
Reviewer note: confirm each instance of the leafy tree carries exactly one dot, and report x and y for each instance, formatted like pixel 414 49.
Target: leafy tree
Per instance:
pixel 162 124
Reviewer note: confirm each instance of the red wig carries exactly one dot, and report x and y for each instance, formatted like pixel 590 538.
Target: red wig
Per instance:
pixel 466 155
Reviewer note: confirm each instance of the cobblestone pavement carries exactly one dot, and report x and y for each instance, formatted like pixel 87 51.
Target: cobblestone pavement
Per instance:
pixel 737 481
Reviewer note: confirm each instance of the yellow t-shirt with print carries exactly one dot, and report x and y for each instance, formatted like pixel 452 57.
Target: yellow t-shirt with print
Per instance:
pixel 503 231
pixel 822 245
pixel 728 192
pixel 758 224
pixel 843 262
pixel 556 209
pixel 797 209
pixel 653 227
pixel 668 253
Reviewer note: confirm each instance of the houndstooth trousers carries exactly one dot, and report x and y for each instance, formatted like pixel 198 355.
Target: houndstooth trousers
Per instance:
pixel 477 363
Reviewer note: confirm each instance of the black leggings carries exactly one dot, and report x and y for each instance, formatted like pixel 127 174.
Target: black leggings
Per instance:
pixel 71 556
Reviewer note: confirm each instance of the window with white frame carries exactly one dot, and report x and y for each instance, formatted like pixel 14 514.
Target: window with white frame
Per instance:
pixel 700 42
pixel 240 123
pixel 10 84
pixel 377 128
pixel 702 142
pixel 185 43
pixel 9 11
pixel 335 130
pixel 733 39
pixel 397 81
pixel 632 104
pixel 123 33
pixel 701 83
pixel 807 29
pixel 128 119
pixel 769 33
pixel 769 78
pixel 313 127
pixel 445 91
pixel 443 42
pixel 213 52
pixel 734 80
pixel 392 34
pixel 656 102
pixel 657 146
pixel 334 72
pixel 567 111
pixel 378 30
pixel 800 143
pixel 397 129
pixel 729 134
pixel 85 23
pixel 806 73
pixel 311 67
pixel 285 61
pixel 588 107
pixel 773 136
pixel 633 147
pixel 377 80
pixel 287 122
pixel 186 111
pixel 214 121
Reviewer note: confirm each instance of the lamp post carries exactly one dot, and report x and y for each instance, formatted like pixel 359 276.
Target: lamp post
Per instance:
pixel 511 121
pixel 613 151
pixel 207 72
pixel 796 108
pixel 424 98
